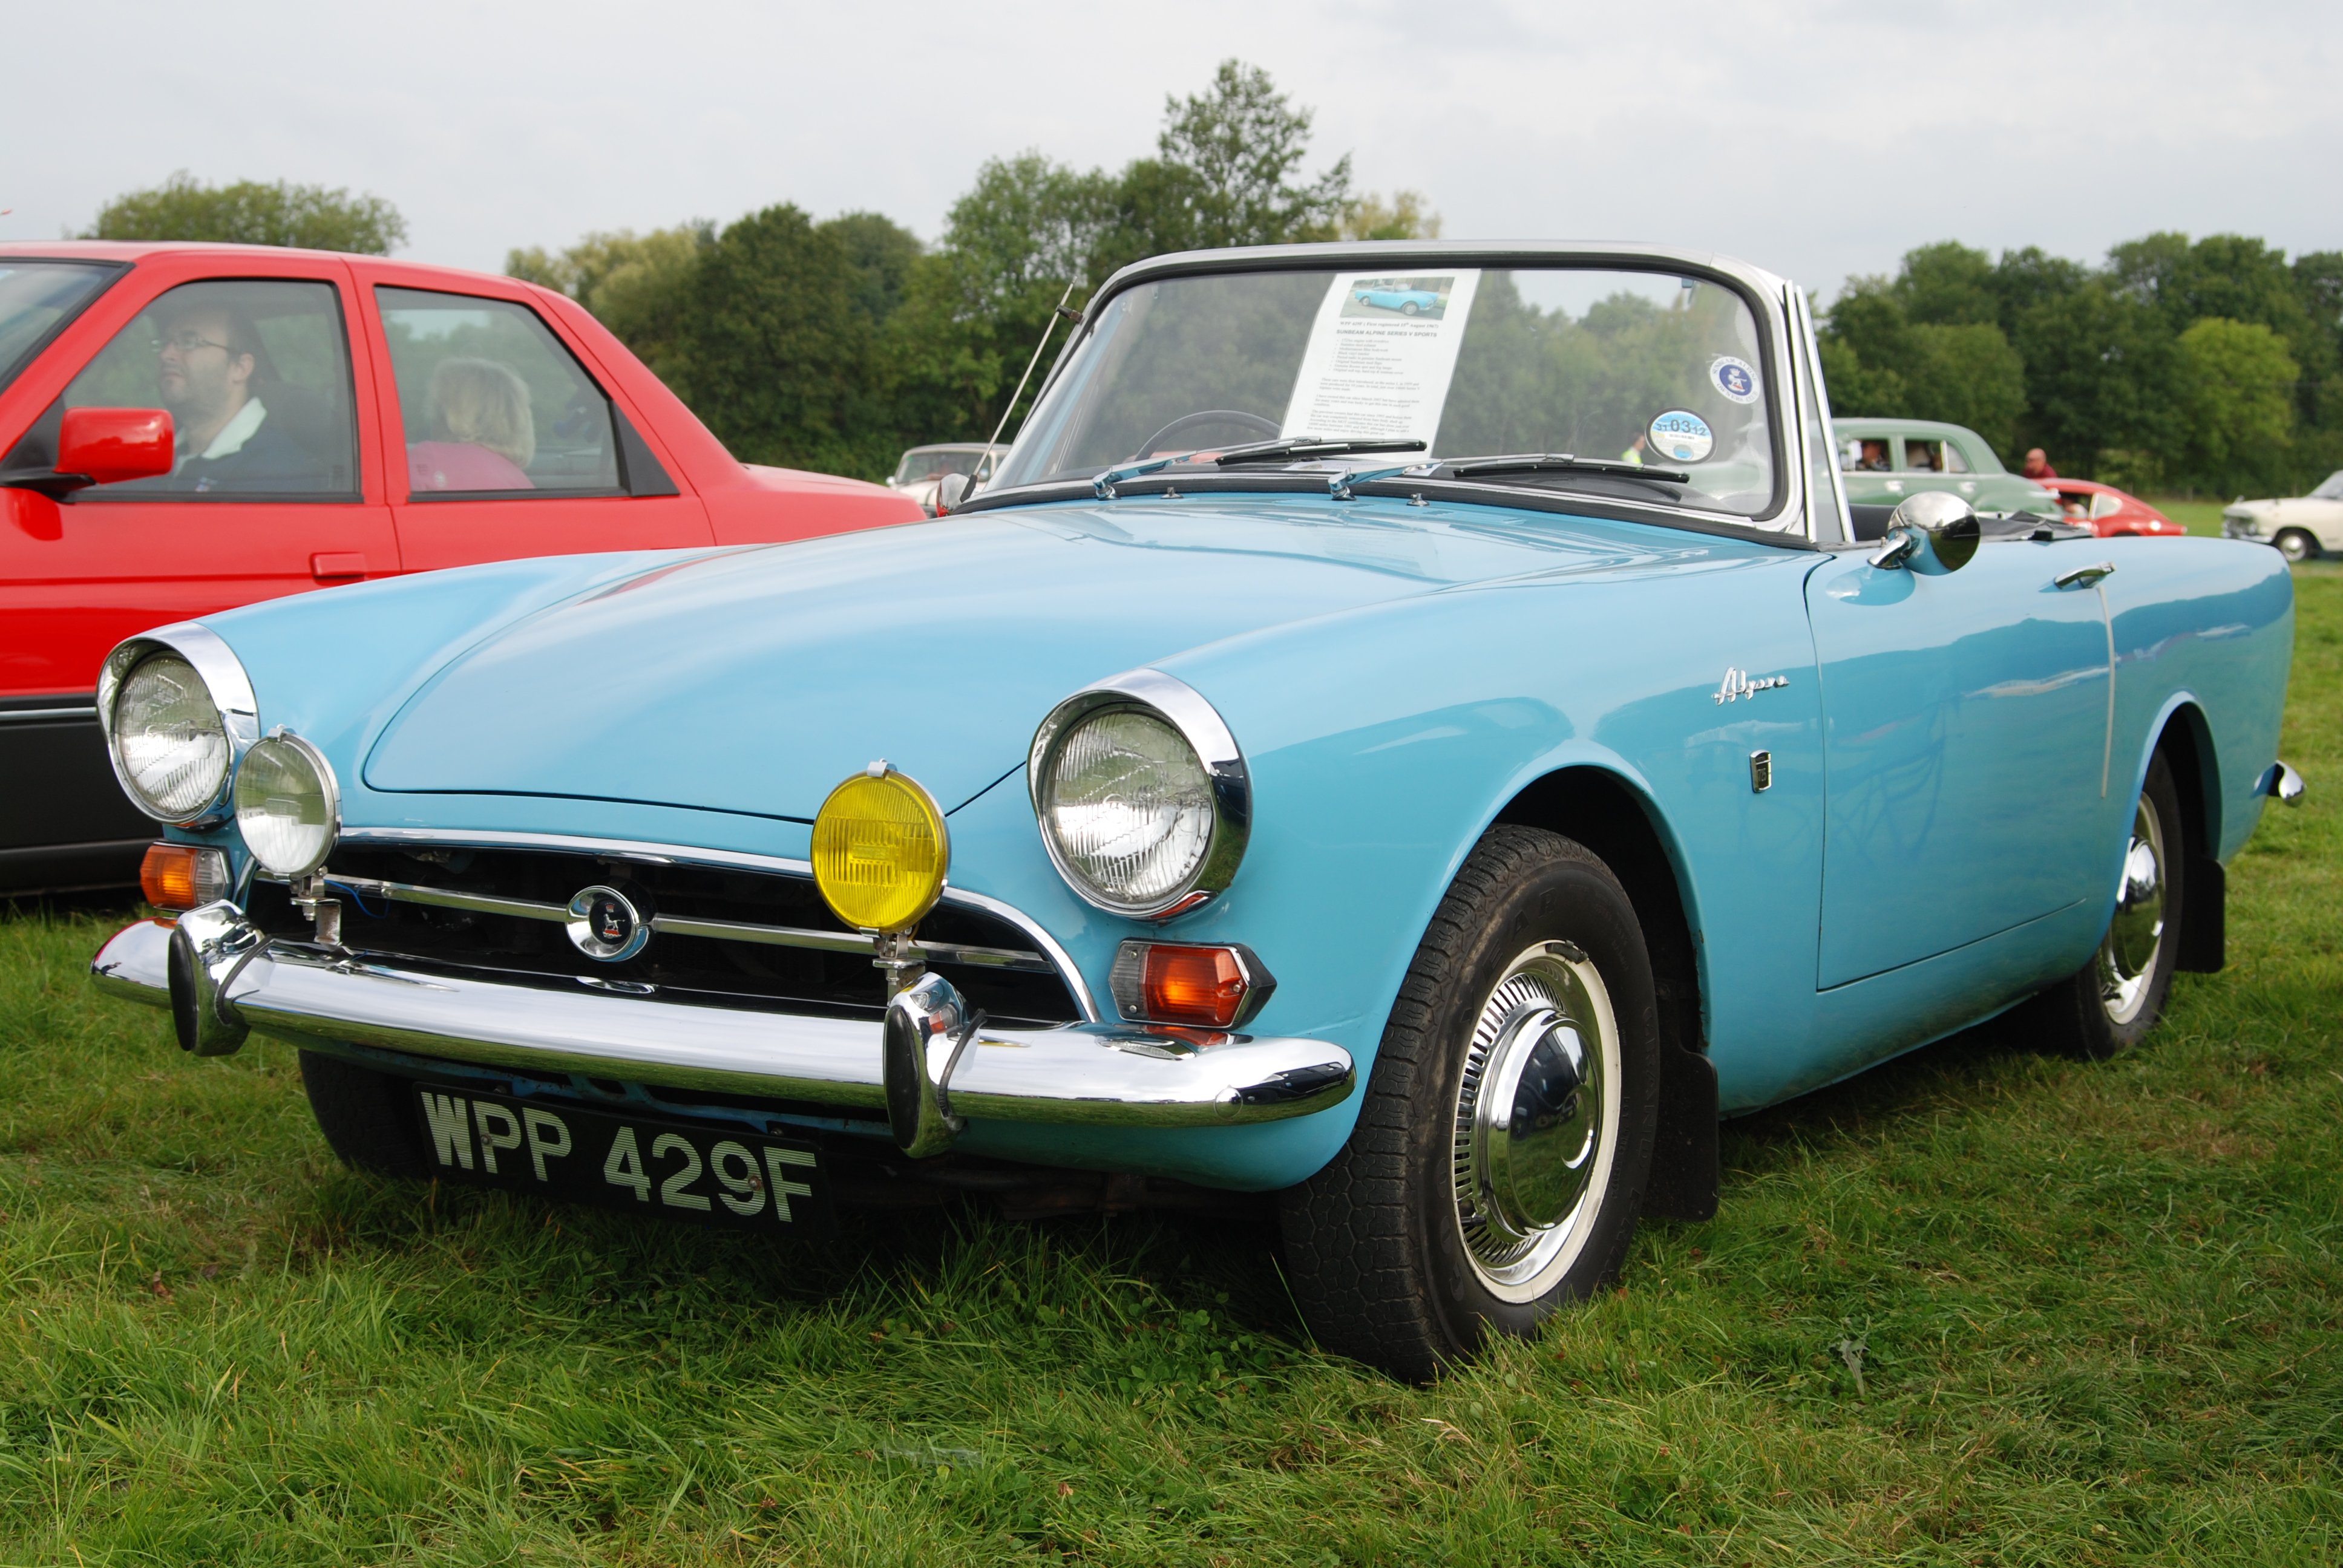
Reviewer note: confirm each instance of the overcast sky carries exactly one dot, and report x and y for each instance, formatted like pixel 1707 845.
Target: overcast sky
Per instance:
pixel 1817 138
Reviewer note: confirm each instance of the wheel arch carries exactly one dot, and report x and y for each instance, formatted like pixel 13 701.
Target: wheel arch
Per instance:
pixel 2185 736
pixel 1618 821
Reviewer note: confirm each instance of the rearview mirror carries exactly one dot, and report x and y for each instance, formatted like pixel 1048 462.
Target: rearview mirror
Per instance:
pixel 102 446
pixel 951 491
pixel 1933 532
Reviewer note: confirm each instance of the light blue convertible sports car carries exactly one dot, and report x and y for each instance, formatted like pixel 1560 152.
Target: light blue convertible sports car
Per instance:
pixel 1300 772
pixel 1406 301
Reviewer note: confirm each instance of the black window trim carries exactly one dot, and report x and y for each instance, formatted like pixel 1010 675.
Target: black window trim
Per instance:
pixel 626 441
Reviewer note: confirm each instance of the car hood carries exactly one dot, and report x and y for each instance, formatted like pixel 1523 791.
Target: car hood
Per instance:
pixel 754 680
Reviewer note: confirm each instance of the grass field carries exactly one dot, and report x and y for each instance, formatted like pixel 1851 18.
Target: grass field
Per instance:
pixel 1976 1306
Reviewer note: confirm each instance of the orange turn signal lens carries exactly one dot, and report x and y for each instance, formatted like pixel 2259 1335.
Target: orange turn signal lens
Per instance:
pixel 1197 987
pixel 182 876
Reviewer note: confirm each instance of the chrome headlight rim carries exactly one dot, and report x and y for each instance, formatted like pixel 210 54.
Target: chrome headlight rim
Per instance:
pixel 230 688
pixel 329 785
pixel 1183 709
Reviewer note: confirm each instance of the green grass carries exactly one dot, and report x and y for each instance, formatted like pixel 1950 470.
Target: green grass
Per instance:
pixel 2098 1314
pixel 2203 517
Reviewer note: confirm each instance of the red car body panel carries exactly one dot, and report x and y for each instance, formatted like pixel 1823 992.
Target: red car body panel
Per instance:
pixel 2109 511
pixel 78 577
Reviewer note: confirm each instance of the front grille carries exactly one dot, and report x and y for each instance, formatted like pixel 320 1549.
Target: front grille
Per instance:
pixel 709 971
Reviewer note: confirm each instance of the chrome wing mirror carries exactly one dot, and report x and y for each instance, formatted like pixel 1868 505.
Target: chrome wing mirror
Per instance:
pixel 951 491
pixel 1931 532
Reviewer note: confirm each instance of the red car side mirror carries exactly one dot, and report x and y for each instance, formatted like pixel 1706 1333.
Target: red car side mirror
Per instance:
pixel 108 445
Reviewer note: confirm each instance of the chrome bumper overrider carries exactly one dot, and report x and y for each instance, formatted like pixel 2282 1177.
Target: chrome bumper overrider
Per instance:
pixel 221 978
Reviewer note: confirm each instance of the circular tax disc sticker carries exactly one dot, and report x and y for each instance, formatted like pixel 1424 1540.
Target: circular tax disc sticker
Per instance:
pixel 1733 376
pixel 1681 436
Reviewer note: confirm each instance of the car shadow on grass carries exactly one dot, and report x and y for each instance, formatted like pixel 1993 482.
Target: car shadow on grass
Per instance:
pixel 1957 1073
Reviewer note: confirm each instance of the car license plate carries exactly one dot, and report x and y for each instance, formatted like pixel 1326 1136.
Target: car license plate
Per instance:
pixel 645 1165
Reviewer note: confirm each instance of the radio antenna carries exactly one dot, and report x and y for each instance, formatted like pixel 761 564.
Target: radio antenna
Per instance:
pixel 1011 405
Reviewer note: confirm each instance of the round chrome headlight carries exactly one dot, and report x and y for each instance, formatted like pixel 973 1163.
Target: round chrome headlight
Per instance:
pixel 287 806
pixel 1142 797
pixel 170 743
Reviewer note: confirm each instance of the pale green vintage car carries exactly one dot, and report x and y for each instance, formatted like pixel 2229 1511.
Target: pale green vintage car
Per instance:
pixel 1885 460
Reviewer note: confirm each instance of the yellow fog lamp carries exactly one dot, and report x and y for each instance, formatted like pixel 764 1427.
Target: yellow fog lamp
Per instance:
pixel 881 851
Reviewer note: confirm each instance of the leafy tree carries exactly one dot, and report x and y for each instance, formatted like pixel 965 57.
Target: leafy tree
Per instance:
pixel 1927 345
pixel 250 213
pixel 1240 145
pixel 1403 216
pixel 770 342
pixel 2235 395
pixel 835 344
pixel 634 283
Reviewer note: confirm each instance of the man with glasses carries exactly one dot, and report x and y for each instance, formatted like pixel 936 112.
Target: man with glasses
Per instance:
pixel 207 359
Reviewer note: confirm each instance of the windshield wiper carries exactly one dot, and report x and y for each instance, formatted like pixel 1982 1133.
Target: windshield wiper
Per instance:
pixel 1552 463
pixel 1292 449
pixel 1305 446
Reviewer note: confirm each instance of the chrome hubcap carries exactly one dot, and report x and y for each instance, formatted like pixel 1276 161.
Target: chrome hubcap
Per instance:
pixel 2293 547
pixel 2127 953
pixel 1536 1120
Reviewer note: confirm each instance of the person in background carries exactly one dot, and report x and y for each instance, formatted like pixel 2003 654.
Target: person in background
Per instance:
pixel 2037 466
pixel 1873 459
pixel 1635 454
pixel 206 362
pixel 483 436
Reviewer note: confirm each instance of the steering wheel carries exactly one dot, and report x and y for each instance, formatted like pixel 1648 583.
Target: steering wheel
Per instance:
pixel 1269 428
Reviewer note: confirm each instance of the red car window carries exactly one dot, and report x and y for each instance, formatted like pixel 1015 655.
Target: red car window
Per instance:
pixel 256 375
pixel 492 403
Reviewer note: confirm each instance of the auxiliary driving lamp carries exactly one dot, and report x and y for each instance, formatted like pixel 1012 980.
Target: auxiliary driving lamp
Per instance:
pixel 881 851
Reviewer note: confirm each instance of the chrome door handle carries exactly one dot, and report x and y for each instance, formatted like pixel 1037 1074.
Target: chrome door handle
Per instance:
pixel 2083 576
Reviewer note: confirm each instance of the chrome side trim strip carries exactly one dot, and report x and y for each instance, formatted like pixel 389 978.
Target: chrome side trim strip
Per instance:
pixel 683 854
pixel 45 715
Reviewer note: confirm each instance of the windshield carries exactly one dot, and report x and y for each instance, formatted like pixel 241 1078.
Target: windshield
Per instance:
pixel 1623 366
pixel 35 297
pixel 921 464
pixel 2332 488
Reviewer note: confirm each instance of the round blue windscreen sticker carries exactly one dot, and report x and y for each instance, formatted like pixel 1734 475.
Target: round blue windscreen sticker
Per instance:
pixel 1733 376
pixel 1681 436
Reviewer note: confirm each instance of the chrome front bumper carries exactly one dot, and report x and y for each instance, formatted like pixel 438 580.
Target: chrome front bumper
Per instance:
pixel 222 978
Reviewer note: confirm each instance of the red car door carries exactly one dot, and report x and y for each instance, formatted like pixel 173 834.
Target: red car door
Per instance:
pixel 278 488
pixel 505 441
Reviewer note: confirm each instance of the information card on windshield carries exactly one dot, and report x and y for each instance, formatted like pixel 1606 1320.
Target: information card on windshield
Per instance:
pixel 1381 355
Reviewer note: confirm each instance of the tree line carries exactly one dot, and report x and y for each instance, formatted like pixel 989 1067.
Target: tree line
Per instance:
pixel 2214 365
pixel 2209 366
pixel 883 343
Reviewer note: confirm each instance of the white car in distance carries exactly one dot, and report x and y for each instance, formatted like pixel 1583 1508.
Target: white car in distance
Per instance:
pixel 2303 527
pixel 924 469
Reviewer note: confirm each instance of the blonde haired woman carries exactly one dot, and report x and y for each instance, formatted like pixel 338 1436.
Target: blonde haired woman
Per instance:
pixel 483 436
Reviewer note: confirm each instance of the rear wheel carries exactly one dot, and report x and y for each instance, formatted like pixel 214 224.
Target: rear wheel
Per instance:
pixel 2108 1005
pixel 2296 544
pixel 1500 1159
pixel 364 1115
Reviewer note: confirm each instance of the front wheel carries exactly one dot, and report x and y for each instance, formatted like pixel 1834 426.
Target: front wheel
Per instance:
pixel 2296 546
pixel 1500 1158
pixel 2110 1004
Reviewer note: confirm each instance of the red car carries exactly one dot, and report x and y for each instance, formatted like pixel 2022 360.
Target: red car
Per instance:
pixel 2107 510
pixel 329 419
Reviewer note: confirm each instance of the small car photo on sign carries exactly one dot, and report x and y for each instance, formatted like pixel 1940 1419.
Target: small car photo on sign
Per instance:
pixel 1409 296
